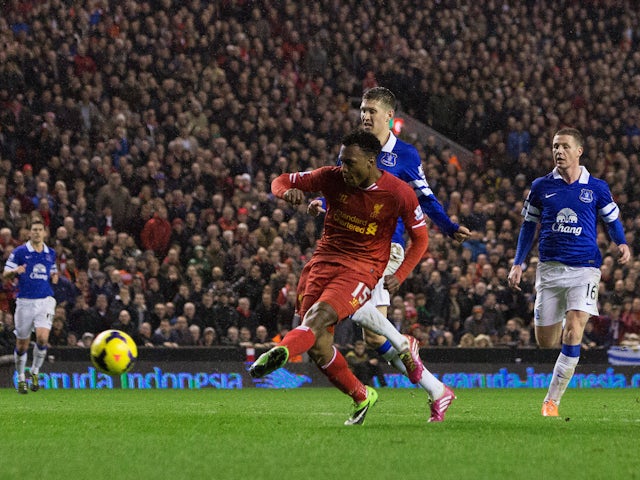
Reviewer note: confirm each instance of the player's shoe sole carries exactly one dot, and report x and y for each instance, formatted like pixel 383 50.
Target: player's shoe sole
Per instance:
pixel 35 381
pixel 269 361
pixel 22 387
pixel 360 409
pixel 440 406
pixel 411 360
pixel 550 409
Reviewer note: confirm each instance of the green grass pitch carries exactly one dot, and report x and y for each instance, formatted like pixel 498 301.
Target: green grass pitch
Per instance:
pixel 298 434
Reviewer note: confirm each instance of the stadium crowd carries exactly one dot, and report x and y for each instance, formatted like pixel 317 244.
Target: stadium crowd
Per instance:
pixel 146 135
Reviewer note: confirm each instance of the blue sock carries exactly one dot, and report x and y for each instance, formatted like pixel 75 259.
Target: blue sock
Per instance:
pixel 384 348
pixel 571 350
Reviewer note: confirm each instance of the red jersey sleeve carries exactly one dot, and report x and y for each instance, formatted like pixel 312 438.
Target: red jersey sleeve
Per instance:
pixel 313 181
pixel 416 226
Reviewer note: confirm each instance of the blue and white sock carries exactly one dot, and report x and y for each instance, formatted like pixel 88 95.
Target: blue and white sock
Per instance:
pixel 563 372
pixel 39 354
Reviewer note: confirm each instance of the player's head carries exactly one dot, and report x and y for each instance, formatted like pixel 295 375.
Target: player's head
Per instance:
pixel 358 154
pixel 36 229
pixel 567 147
pixel 377 111
pixel 572 132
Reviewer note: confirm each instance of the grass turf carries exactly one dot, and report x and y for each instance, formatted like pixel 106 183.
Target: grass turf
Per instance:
pixel 298 434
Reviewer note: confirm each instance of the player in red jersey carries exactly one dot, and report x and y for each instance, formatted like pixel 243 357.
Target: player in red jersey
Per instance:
pixel 363 204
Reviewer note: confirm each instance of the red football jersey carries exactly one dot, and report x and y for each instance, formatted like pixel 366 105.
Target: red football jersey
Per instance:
pixel 359 222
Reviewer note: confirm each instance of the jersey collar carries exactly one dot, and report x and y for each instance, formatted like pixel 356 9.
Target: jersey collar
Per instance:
pixel 391 142
pixel 31 249
pixel 584 174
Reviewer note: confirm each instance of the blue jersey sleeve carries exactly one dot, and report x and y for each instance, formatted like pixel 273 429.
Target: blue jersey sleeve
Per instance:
pixel 412 173
pixel 525 242
pixel 609 211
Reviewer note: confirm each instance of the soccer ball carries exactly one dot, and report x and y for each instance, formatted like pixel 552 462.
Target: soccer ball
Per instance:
pixel 113 352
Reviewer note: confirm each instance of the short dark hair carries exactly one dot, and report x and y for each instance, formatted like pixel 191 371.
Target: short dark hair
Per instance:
pixel 573 132
pixel 35 220
pixel 367 141
pixel 381 94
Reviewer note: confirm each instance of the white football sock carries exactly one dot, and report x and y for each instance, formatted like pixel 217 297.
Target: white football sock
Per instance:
pixel 39 354
pixel 562 374
pixel 21 362
pixel 370 317
pixel 433 386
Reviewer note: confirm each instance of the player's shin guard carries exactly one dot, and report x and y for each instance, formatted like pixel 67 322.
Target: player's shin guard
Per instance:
pixel 39 354
pixel 563 372
pixel 339 374
pixel 369 317
pixel 20 360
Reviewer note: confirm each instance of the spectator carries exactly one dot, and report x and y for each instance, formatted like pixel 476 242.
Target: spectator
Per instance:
pixel 363 366
pixel 124 323
pixel 156 233
pixel 182 332
pixel 232 337
pixel 262 338
pixel 144 336
pixel 209 338
pixel 477 323
pixel 118 199
pixel 58 337
pixel 164 335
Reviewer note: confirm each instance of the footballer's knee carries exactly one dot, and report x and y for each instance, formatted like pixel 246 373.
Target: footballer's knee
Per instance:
pixel 320 316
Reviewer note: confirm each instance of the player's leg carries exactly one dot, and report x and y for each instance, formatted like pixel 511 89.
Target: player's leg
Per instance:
pixel 580 302
pixel 569 356
pixel 333 364
pixel 298 341
pixel 396 348
pixel 440 396
pixel 370 318
pixel 45 309
pixel 23 327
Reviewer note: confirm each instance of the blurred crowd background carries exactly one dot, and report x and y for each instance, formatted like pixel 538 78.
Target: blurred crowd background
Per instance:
pixel 146 134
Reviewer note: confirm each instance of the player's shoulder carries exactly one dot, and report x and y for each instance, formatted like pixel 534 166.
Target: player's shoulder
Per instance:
pixel 20 249
pixel 326 171
pixel 388 181
pixel 405 151
pixel 597 183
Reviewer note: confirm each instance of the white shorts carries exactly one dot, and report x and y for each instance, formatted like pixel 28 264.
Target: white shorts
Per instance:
pixel 380 295
pixel 32 313
pixel 560 288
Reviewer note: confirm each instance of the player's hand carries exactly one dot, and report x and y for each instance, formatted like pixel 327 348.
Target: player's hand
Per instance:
pixel 294 196
pixel 625 253
pixel 54 278
pixel 20 270
pixel 515 275
pixel 391 283
pixel 315 208
pixel 462 234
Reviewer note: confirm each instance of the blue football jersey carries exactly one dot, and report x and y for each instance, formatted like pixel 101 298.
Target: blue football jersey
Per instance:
pixel 568 216
pixel 402 160
pixel 34 283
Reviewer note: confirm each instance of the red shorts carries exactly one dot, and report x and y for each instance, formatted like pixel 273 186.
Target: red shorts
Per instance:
pixel 345 289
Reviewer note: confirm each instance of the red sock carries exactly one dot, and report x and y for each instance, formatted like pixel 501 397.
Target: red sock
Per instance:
pixel 298 340
pixel 338 373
